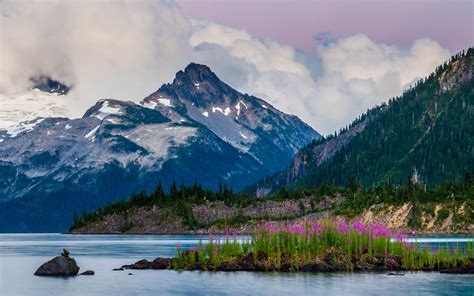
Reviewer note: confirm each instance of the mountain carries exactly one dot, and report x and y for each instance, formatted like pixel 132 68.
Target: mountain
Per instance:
pixel 429 129
pixel 45 98
pixel 196 129
pixel 49 85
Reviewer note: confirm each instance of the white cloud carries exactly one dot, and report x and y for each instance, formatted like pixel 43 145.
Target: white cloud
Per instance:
pixel 328 87
pixel 119 49
pixel 126 50
pixel 266 55
pixel 358 73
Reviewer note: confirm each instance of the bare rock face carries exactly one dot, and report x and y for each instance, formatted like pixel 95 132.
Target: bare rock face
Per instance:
pixel 195 129
pixel 59 266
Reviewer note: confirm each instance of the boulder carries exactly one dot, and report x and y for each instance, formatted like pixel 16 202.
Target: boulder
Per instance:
pixel 88 272
pixel 160 263
pixel 142 264
pixel 59 266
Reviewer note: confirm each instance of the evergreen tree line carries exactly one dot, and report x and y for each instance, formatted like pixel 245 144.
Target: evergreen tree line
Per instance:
pixel 356 199
pixel 423 129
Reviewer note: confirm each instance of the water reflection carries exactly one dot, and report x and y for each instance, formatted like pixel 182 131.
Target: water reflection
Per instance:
pixel 21 254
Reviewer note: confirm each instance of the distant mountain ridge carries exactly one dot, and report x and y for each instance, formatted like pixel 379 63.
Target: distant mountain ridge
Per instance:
pixel 429 128
pixel 196 129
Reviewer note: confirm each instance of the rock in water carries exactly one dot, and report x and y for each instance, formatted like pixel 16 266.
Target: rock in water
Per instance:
pixel 88 272
pixel 59 266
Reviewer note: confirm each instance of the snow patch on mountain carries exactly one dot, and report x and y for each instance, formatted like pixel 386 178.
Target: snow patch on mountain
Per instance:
pixel 238 108
pixel 26 126
pixel 226 111
pixel 165 102
pixel 157 139
pixel 107 110
pixel 92 132
pixel 113 121
pixel 150 105
pixel 26 106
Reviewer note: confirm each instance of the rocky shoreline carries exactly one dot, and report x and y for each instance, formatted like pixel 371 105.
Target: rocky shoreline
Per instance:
pixel 325 264
pixel 248 232
pixel 218 218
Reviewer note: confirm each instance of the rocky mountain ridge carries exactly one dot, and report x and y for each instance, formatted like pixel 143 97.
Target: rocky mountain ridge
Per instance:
pixel 196 129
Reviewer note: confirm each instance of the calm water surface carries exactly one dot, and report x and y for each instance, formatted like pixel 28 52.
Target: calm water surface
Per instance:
pixel 21 254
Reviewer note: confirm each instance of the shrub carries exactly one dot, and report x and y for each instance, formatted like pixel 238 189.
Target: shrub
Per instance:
pixel 126 226
pixel 442 215
pixel 429 209
pixel 414 220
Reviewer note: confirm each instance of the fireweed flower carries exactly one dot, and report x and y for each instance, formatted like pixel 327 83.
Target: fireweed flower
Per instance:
pixel 391 263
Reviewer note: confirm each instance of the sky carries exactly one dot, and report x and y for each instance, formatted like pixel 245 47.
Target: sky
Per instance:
pixel 297 22
pixel 324 61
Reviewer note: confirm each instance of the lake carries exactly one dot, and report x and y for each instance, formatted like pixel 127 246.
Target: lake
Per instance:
pixel 22 254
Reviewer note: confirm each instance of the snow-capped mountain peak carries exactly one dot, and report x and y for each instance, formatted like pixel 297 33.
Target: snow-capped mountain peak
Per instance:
pixel 46 98
pixel 196 128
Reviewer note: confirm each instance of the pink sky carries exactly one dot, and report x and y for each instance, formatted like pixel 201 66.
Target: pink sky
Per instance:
pixel 296 22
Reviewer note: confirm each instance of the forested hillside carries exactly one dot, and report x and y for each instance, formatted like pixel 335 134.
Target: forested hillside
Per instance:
pixel 190 209
pixel 429 128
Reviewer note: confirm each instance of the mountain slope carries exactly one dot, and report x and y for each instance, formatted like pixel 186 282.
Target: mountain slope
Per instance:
pixel 51 167
pixel 45 98
pixel 429 128
pixel 247 123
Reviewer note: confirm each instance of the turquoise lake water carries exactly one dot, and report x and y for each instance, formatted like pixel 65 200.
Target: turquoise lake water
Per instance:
pixel 22 254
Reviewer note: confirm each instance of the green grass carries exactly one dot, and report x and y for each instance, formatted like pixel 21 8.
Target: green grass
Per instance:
pixel 332 241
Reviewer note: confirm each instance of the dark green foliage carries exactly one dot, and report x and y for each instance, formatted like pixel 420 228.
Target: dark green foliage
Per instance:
pixel 140 200
pixel 424 128
pixel 429 209
pixel 126 226
pixel 442 215
pixel 352 184
pixel 282 194
pixel 414 218
pixel 302 208
pixel 417 195
pixel 183 199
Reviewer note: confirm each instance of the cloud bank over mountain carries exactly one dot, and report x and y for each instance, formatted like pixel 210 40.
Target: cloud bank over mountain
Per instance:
pixel 126 50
